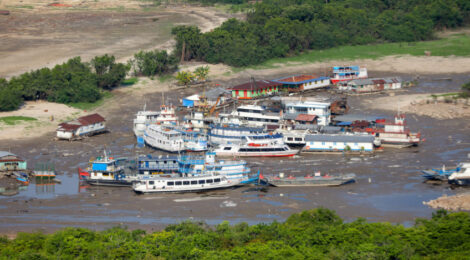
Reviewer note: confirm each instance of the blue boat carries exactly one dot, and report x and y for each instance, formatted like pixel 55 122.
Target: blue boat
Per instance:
pixel 439 174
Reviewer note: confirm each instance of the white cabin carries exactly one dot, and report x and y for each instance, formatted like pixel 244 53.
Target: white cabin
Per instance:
pixel 320 109
pixel 86 125
pixel 339 142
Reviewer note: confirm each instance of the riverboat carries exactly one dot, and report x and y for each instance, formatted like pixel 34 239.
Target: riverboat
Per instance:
pixel 316 180
pixel 193 165
pixel 183 184
pixel 393 133
pixel 144 118
pixel 462 176
pixel 236 134
pixel 256 148
pixel 105 171
pixel 254 115
pixel 149 165
pixel 347 73
pixel 174 139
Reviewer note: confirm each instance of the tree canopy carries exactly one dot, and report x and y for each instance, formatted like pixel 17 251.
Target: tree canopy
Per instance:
pixel 313 234
pixel 278 28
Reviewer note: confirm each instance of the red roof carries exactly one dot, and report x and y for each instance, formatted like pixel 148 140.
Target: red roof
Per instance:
pixel 91 119
pixel 305 117
pixel 69 127
pixel 259 84
pixel 298 78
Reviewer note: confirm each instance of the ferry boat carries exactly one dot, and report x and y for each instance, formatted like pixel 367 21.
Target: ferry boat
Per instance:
pixel 462 176
pixel 191 165
pixel 105 171
pixel 194 141
pixel 316 180
pixel 235 134
pixel 149 165
pixel 393 134
pixel 254 115
pixel 144 118
pixel 256 148
pixel 347 73
pixel 183 184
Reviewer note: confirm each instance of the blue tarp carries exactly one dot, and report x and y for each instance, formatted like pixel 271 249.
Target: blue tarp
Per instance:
pixel 344 123
pixel 188 103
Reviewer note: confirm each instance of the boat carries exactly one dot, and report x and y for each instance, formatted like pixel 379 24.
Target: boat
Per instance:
pixel 462 176
pixel 174 139
pixel 235 134
pixel 22 177
pixel 153 165
pixel 347 73
pixel 361 143
pixel 144 118
pixel 316 180
pixel 183 184
pixel 193 165
pixel 393 133
pixel 105 171
pixel 44 171
pixel 256 148
pixel 254 115
pixel 439 174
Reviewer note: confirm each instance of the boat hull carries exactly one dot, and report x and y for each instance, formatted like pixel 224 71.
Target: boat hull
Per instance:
pixel 460 181
pixel 192 190
pixel 311 181
pixel 258 154
pixel 113 183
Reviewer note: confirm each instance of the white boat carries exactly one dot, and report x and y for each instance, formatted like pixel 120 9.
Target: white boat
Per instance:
pixel 256 148
pixel 235 134
pixel 144 118
pixel 347 73
pixel 395 134
pixel 236 170
pixel 105 171
pixel 256 115
pixel 183 184
pixel 462 176
pixel 174 139
pixel 164 138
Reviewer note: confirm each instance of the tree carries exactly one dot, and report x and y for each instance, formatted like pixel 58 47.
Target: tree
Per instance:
pixel 153 63
pixel 185 77
pixel 9 99
pixel 201 73
pixel 109 73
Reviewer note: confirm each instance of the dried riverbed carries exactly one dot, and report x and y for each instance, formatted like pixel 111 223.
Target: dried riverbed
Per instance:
pixel 388 188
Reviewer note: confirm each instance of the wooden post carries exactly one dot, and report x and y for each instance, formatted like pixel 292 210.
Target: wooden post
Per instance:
pixel 183 50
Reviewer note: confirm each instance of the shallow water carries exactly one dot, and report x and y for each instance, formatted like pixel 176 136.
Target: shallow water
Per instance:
pixel 388 186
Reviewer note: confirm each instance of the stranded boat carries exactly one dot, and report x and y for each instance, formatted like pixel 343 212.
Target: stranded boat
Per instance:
pixel 440 174
pixel 191 165
pixel 174 140
pixel 183 184
pixel 256 148
pixel 316 180
pixel 462 176
pixel 234 134
pixel 347 73
pixel 106 171
pixel 144 118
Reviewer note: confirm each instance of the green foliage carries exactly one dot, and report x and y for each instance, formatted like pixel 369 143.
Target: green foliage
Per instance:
pixel 466 87
pixel 129 81
pixel 281 28
pixel 91 105
pixel 13 120
pixel 313 234
pixel 201 73
pixel 109 74
pixel 10 99
pixel 185 77
pixel 153 63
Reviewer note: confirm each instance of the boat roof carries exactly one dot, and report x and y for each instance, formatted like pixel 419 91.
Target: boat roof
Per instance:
pixel 357 117
pixel 373 81
pixel 238 128
pixel 299 79
pixel 147 158
pixel 339 138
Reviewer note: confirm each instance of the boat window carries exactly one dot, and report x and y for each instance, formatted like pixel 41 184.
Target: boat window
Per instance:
pixel 243 149
pixel 105 174
pixel 202 181
pixel 217 180
pixel 193 182
pixel 298 139
pixel 185 182
pixel 171 183
pixel 285 148
pixel 151 182
pixel 209 181
pixel 290 138
pixel 177 183
pixel 227 148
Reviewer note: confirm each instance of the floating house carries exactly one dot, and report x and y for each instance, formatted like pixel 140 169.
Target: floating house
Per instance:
pixel 372 85
pixel 322 111
pixel 83 126
pixel 216 96
pixel 347 73
pixel 255 89
pixel 298 83
pixel 339 143
pixel 11 162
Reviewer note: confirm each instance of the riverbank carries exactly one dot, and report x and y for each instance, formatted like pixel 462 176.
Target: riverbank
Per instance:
pixel 454 203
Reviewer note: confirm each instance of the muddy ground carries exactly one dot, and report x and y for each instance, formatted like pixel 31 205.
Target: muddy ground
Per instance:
pixel 388 188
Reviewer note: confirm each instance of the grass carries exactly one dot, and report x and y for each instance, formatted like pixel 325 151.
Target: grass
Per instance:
pixel 23 6
pixel 13 120
pixel 165 78
pixel 129 81
pixel 458 45
pixel 91 106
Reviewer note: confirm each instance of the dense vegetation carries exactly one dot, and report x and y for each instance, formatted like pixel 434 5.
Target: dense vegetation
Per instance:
pixel 70 82
pixel 278 28
pixel 150 63
pixel 315 234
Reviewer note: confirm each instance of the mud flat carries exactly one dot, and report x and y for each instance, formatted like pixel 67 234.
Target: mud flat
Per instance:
pixel 454 203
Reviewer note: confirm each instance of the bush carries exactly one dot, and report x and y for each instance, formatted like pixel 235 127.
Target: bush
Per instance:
pixel 153 63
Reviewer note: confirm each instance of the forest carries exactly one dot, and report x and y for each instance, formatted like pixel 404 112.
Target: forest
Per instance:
pixel 76 81
pixel 280 28
pixel 315 234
